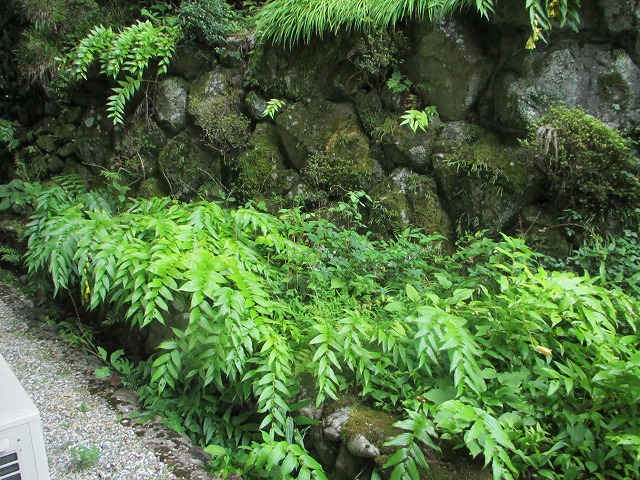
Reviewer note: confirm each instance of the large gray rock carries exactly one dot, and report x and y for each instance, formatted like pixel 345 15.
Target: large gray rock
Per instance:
pixel 404 147
pixel 447 59
pixel 318 69
pixel 620 16
pixel 602 81
pixel 171 104
pixel 215 105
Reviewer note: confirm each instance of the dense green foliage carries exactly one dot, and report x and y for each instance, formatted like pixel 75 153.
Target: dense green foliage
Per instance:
pixel 536 371
pixel 125 57
pixel 290 21
pixel 586 162
pixel 207 21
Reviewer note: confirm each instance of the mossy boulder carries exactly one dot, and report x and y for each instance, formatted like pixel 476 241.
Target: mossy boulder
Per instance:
pixel 47 143
pixel 326 142
pixel 152 187
pixel 486 184
pixel 64 132
pixel 214 104
pixel 170 105
pixel 317 69
pixel 190 60
pixel 261 169
pixel 546 231
pixel 454 135
pixel 185 165
pixel 407 199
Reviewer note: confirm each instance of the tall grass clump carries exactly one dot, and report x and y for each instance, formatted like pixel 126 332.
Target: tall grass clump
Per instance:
pixel 290 21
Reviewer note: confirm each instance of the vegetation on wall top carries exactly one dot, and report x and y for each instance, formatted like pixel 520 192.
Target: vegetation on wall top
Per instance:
pixel 290 21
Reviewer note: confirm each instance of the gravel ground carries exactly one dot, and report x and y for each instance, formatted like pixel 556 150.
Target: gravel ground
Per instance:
pixel 59 381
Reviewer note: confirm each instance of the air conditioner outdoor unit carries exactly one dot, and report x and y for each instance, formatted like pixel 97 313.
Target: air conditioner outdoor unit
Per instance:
pixel 22 453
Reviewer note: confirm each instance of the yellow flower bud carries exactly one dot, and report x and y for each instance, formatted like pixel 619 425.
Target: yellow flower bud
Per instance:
pixel 544 350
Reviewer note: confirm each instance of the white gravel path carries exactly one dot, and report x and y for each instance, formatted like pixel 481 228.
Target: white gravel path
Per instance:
pixel 54 376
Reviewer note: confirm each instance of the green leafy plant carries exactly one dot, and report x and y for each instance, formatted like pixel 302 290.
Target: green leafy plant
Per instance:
pixel 419 118
pixel 398 83
pixel 84 457
pixel 8 134
pixel 125 57
pixel 273 106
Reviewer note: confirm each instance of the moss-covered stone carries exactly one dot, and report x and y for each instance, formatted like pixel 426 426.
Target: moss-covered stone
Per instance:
pixel 447 57
pixel 261 169
pixel 317 69
pixel 405 148
pixel 66 150
pixel 325 141
pixel 190 60
pixel 185 165
pixel 215 106
pixel 545 231
pixel 597 78
pixel 486 184
pixel 170 106
pixel 94 144
pixel 407 199
pixel 64 132
pixel 47 143
pixel 374 425
pixel 152 187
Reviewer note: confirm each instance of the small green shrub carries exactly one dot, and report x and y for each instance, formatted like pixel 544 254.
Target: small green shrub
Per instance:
pixel 586 162
pixel 83 457
pixel 209 21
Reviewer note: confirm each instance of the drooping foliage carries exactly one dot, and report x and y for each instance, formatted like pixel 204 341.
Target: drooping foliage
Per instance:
pixel 125 57
pixel 289 21
pixel 535 371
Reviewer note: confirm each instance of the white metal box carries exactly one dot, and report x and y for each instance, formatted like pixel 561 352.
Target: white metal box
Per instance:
pixel 22 453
